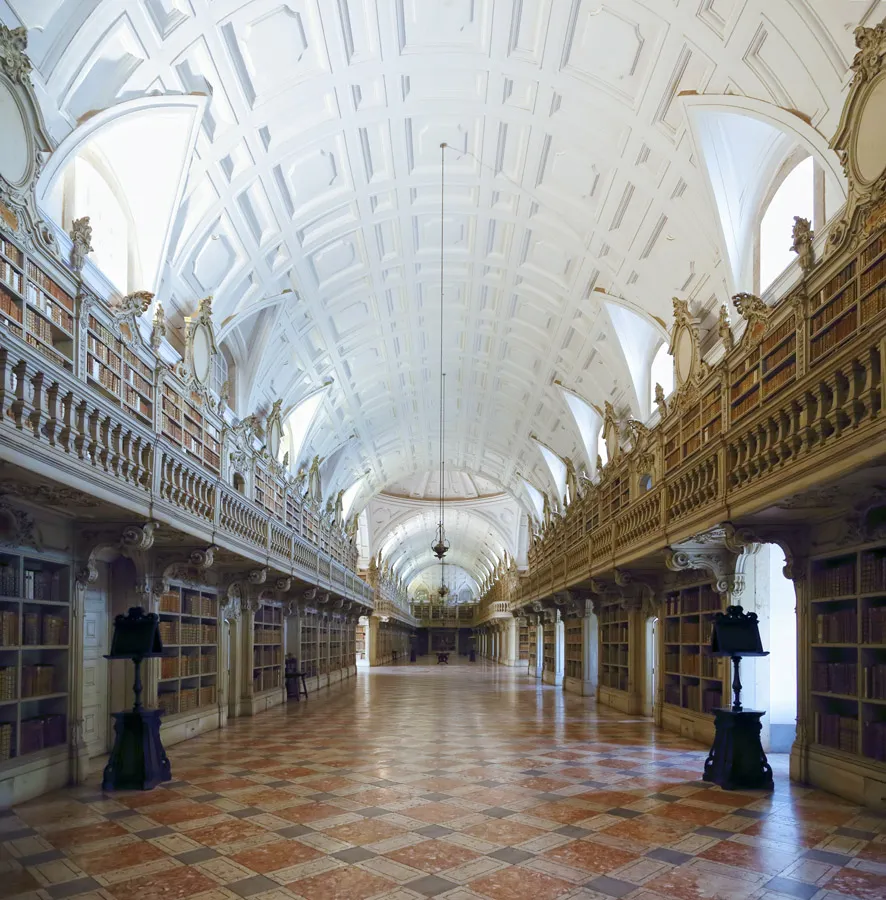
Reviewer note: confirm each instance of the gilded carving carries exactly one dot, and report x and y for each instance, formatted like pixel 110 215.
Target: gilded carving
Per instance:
pixel 724 329
pixel 158 328
pixel 802 245
pixel 13 59
pixel 755 312
pixel 81 242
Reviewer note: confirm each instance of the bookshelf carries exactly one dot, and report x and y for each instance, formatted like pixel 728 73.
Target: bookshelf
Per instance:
pixel 323 645
pixel 848 660
pixel 189 666
pixel 183 423
pixel 523 643
pixel 267 648
pixel 12 286
pixel 269 493
pixel 335 645
pixel 853 298
pixel 350 644
pixel 550 649
pixel 614 647
pixel 309 637
pixel 34 307
pixel 765 370
pixel 690 432
pixel 117 371
pixel 360 648
pixel 35 615
pixel 574 649
pixel 693 679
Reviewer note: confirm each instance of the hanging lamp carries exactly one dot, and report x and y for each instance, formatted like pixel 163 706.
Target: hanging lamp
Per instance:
pixel 441 545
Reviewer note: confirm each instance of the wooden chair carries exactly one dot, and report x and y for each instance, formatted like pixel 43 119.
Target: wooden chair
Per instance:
pixel 295 680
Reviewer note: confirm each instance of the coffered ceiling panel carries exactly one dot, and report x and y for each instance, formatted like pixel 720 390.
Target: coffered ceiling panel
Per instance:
pixel 314 193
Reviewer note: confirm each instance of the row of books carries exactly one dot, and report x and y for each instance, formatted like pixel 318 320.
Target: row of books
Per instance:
pixel 42 281
pixel 615 655
pixel 833 580
pixel 873 625
pixel 10 309
pixel 267 635
pixel 103 375
pixel 834 730
pixel 44 628
pixel 9 636
pixel 872 276
pixel 265 679
pixel 748 404
pixel 615 634
pixel 835 678
pixel 38 681
pixel 8 682
pixel 839 627
pixel 103 353
pixel 187 699
pixel 42 732
pixel 774 338
pixel 187 633
pixel 268 656
pixel 11 252
pixel 873 571
pixel 874 740
pixel 6 743
pixel 834 305
pixel 873 304
pixel 11 276
pixel 785 374
pixel 617 679
pixel 873 680
pixel 827 340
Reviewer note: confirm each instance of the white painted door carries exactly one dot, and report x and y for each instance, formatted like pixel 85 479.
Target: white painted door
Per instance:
pixel 95 668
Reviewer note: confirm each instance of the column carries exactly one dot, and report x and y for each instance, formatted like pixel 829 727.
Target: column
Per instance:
pixel 590 639
pixel 512 642
pixel 373 639
pixel 539 646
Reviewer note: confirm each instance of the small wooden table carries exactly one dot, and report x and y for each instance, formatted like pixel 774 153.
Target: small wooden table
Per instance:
pixel 442 659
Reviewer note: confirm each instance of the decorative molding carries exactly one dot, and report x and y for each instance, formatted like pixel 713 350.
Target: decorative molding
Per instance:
pixel 18 528
pixel 13 59
pixel 81 243
pixel 803 236
pixel 756 313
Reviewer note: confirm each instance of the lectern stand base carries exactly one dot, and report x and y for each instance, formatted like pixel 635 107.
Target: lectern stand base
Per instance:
pixel 737 760
pixel 138 761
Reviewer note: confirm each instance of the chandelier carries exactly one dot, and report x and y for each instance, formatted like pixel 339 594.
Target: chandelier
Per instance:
pixel 441 544
pixel 443 590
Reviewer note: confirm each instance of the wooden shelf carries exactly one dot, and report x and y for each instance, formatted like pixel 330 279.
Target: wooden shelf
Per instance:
pixel 34 661
pixel 614 647
pixel 693 678
pixel 189 665
pixel 847 678
pixel 574 649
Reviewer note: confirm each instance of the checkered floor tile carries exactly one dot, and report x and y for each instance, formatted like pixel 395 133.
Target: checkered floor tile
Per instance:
pixel 465 783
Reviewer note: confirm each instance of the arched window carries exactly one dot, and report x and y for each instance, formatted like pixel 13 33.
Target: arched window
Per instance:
pixel 662 372
pixel 602 449
pixel 794 196
pixel 87 190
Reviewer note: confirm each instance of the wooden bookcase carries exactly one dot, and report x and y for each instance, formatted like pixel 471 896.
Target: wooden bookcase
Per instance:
pixel 523 645
pixel 350 644
pixel 187 427
pixel 35 619
pixel 693 679
pixel 614 646
pixel 35 307
pixel 189 666
pixel 117 371
pixel 360 648
pixel 269 493
pixel 532 650
pixel 574 649
pixel 323 645
pixel 765 370
pixel 335 645
pixel 550 649
pixel 309 635
pixel 267 648
pixel 848 660
pixel 691 431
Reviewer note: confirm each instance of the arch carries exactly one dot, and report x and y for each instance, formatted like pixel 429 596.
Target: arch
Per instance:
pixel 741 143
pixel 164 130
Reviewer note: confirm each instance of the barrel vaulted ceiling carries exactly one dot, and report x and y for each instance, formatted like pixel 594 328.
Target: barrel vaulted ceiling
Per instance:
pixel 311 210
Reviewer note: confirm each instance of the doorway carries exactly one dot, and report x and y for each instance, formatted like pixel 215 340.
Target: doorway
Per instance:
pixel 652 631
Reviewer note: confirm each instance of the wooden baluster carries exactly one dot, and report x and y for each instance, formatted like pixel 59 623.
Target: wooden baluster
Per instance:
pixel 37 417
pixel 840 418
pixel 22 405
pixel 104 442
pixel 53 424
pixel 80 429
pixel 92 436
pixel 114 442
pixel 7 384
pixel 67 426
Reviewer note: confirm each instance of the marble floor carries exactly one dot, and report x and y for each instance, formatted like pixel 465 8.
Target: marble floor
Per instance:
pixel 465 783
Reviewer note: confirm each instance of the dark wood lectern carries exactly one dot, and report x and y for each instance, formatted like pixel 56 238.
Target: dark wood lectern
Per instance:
pixel 737 759
pixel 138 761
